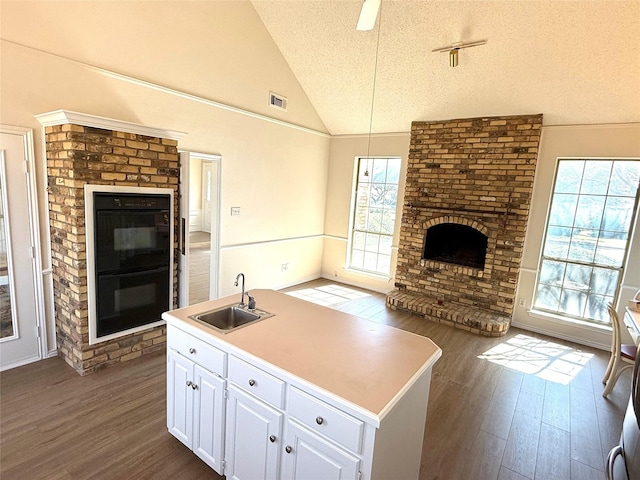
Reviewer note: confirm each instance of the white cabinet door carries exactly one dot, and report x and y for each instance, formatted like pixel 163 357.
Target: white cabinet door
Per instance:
pixel 208 417
pixel 310 457
pixel 195 408
pixel 180 398
pixel 253 437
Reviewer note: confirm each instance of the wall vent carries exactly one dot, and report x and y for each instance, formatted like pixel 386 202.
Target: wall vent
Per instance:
pixel 278 101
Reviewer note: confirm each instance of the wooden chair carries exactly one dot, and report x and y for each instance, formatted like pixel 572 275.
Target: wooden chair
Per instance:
pixel 623 356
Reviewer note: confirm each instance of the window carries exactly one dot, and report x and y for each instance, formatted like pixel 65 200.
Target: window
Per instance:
pixel 587 236
pixel 374 214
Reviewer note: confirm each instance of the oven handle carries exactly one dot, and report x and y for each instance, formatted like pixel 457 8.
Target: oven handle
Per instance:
pixel 183 232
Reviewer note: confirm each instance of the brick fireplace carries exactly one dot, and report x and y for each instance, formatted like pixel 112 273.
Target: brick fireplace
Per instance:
pixel 78 154
pixel 470 179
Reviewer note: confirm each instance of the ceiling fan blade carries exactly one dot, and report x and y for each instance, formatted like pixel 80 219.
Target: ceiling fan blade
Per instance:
pixel 368 15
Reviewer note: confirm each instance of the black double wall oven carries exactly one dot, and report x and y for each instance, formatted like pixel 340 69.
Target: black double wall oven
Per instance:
pixel 132 241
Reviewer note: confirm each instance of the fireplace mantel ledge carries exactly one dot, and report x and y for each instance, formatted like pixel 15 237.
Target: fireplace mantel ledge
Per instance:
pixel 496 212
pixel 62 117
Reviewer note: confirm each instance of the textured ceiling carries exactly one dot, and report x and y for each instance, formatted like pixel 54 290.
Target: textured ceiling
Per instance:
pixel 575 61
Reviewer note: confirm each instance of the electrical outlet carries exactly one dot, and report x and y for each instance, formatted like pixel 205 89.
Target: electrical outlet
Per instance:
pixel 284 267
pixel 522 302
pixel 235 211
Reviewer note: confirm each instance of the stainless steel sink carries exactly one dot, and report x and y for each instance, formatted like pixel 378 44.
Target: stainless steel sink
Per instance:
pixel 231 317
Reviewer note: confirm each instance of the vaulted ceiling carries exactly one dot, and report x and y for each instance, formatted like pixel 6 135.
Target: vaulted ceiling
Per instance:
pixel 576 62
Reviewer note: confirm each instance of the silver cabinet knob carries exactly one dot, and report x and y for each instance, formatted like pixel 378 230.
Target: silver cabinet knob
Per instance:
pixel 252 382
pixel 194 386
pixel 272 439
pixel 288 449
pixel 192 350
pixel 319 420
pixel 189 383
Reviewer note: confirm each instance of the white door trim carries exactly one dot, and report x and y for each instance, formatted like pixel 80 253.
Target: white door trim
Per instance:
pixel 35 237
pixel 205 220
pixel 183 276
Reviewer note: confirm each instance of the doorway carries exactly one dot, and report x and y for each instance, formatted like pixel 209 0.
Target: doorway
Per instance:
pixel 21 336
pixel 200 227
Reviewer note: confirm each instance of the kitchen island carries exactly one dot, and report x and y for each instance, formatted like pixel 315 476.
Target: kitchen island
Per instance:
pixel 309 392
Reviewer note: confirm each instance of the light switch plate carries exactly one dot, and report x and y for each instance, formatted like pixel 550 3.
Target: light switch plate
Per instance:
pixel 235 211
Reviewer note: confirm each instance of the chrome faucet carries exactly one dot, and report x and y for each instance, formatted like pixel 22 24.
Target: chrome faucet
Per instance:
pixel 241 304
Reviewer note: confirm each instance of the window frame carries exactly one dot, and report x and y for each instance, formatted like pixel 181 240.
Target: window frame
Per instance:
pixel 631 234
pixel 352 211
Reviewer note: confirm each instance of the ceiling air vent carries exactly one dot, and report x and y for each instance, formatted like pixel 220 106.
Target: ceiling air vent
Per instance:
pixel 278 101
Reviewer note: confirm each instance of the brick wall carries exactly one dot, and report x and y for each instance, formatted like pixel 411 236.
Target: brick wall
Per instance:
pixel 79 155
pixel 476 172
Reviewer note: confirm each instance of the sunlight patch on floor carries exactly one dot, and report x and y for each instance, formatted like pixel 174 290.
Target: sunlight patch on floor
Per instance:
pixel 328 295
pixel 534 356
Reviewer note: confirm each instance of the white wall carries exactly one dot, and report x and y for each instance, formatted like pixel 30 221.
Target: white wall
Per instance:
pixel 571 141
pixel 218 50
pixel 200 68
pixel 608 141
pixel 275 171
pixel 344 151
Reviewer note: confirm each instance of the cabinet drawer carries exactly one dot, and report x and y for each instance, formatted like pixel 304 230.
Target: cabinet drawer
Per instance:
pixel 322 418
pixel 260 383
pixel 196 350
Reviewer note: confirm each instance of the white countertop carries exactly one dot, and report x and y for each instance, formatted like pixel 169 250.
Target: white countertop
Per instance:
pixel 365 363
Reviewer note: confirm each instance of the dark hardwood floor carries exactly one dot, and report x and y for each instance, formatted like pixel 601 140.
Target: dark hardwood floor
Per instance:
pixel 522 406
pixel 199 262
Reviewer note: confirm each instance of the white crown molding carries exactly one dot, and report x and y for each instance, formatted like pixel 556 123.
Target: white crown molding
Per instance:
pixel 62 117
pixel 170 91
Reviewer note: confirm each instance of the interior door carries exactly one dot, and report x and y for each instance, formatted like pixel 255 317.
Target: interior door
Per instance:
pixel 19 307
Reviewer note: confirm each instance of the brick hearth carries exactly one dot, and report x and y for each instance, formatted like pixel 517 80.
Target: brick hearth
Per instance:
pixel 476 172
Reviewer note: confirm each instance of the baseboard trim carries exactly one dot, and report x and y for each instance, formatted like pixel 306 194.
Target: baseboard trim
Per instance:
pixel 357 284
pixel 297 282
pixel 554 334
pixel 20 363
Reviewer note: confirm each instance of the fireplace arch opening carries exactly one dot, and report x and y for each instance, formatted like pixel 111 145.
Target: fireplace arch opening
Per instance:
pixel 455 243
